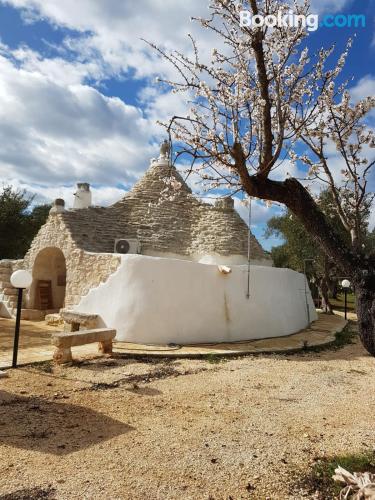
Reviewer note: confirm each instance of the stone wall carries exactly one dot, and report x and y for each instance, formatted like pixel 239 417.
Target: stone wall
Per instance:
pixel 8 294
pixel 84 270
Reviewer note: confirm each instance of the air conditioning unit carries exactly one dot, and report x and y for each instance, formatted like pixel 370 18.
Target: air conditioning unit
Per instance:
pixel 127 245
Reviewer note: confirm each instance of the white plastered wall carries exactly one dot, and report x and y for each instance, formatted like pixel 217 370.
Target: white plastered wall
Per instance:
pixel 228 260
pixel 158 300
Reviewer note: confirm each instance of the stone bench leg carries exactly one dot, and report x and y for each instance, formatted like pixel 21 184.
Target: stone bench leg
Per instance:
pixel 62 355
pixel 105 347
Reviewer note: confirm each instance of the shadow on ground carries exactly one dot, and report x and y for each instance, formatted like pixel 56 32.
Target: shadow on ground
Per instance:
pixel 37 493
pixel 56 428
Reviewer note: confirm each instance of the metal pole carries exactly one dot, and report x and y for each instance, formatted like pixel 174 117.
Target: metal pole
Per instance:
pixel 346 301
pixel 249 252
pixel 17 329
pixel 307 302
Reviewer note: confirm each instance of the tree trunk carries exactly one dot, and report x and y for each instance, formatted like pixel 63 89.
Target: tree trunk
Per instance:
pixel 365 302
pixel 325 285
pixel 323 289
pixel 333 289
pixel 353 263
pixel 295 196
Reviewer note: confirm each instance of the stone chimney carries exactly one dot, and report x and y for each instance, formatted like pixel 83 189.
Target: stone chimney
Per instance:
pixel 82 197
pixel 58 206
pixel 226 203
pixel 164 157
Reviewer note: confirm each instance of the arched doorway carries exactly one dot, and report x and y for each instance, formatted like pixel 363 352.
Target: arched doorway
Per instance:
pixel 49 280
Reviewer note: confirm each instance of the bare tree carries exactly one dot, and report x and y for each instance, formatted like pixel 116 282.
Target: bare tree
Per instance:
pixel 253 104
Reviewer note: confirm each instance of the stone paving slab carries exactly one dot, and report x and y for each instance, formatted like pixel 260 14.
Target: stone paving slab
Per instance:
pixel 35 343
pixel 321 332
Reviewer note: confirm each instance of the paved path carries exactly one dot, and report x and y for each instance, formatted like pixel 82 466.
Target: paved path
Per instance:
pixel 321 332
pixel 35 343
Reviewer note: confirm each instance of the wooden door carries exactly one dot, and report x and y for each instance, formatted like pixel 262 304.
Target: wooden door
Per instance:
pixel 45 294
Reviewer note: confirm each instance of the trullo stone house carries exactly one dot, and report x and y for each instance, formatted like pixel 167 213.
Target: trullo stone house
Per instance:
pixel 149 266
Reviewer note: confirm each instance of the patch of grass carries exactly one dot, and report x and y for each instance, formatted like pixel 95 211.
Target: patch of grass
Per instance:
pixel 159 373
pixel 346 336
pixel 43 366
pixel 339 303
pixel 343 338
pixel 102 386
pixel 214 358
pixel 320 477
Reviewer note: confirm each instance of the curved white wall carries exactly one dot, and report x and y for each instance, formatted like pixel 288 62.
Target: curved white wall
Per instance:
pixel 158 300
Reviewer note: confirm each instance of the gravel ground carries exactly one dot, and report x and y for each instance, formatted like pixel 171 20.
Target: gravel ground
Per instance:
pixel 184 429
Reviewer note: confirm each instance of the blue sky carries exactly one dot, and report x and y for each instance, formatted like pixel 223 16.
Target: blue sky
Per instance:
pixel 78 95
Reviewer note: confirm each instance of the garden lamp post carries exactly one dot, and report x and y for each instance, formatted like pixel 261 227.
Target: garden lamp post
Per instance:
pixel 20 279
pixel 346 285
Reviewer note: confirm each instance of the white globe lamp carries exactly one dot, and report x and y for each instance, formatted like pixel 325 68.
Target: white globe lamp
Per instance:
pixel 21 279
pixel 345 284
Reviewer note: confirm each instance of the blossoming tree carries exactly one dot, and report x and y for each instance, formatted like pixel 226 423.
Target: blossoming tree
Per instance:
pixel 261 100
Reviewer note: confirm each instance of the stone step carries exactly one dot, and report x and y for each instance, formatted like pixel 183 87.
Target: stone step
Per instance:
pixel 54 319
pixel 6 309
pixel 10 291
pixel 6 264
pixel 11 301
pixel 32 314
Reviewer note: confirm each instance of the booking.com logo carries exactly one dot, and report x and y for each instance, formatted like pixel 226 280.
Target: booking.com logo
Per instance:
pixel 310 22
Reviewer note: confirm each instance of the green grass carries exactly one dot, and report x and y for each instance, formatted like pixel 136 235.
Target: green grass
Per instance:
pixel 342 339
pixel 214 358
pixel 345 337
pixel 339 303
pixel 320 476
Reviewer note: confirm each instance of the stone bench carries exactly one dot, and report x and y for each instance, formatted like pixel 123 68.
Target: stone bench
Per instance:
pixel 65 341
pixel 75 320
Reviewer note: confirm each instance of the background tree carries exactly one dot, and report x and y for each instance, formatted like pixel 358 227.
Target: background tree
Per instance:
pixel 370 242
pixel 297 251
pixel 299 245
pixel 19 222
pixel 254 103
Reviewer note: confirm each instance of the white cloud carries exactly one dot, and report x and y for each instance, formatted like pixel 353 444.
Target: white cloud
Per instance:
pixel 58 69
pixel 101 195
pixel 328 6
pixel 61 133
pixel 365 87
pixel 55 128
pixel 114 30
pixel 287 169
pixel 260 212
pixel 372 218
pixel 58 133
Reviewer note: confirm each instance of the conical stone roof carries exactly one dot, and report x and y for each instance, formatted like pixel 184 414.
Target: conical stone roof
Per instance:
pixel 166 221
